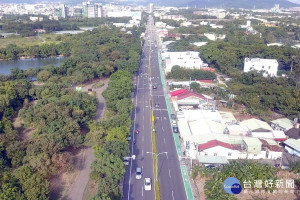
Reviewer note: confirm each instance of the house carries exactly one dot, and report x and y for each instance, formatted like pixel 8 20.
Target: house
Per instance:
pixel 292 146
pixel 238 130
pixel 256 125
pixel 279 136
pixel 293 133
pixel 282 124
pixel 178 92
pixel 269 67
pixel 273 150
pixel 214 37
pixel 190 96
pixel 187 59
pixel 253 147
pixel 212 160
pixel 218 148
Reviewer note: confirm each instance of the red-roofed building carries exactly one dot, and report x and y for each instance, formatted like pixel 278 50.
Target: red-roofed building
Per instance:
pixel 205 81
pixel 178 92
pixel 190 96
pixel 218 148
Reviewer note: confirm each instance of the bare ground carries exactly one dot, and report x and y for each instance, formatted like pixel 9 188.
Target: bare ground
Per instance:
pixel 75 185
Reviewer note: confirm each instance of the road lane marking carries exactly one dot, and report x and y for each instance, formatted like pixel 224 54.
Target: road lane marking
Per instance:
pixel 172 195
pixel 143 192
pixel 165 140
pixel 169 173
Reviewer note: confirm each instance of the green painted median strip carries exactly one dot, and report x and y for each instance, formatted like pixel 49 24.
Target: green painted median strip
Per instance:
pixel 185 177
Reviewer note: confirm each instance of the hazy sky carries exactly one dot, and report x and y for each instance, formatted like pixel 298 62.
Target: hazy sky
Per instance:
pixel 295 1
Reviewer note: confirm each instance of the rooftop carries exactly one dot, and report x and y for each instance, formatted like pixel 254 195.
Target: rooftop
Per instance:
pixel 284 123
pixel 293 133
pixel 256 125
pixel 213 143
pixel 250 141
pixel 189 94
pixel 295 144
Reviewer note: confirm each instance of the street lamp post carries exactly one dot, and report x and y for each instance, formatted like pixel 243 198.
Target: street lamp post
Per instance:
pixel 157 154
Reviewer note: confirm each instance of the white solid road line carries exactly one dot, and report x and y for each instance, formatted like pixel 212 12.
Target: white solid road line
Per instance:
pixel 169 173
pixel 165 140
pixel 172 195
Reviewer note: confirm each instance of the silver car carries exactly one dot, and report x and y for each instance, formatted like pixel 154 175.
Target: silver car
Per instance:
pixel 138 173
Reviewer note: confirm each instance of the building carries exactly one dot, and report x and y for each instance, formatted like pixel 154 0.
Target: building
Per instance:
pixel 77 12
pixel 293 133
pixel 218 148
pixel 178 92
pixel 292 146
pixel 150 8
pixel 188 59
pixel 238 130
pixel 282 124
pixel 253 147
pixel 214 37
pixel 268 67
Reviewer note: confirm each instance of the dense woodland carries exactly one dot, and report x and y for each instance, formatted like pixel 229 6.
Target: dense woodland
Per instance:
pixel 179 73
pixel 59 117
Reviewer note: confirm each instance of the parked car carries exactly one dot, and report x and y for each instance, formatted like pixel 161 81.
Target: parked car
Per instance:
pixel 154 86
pixel 147 184
pixel 173 116
pixel 139 173
pixel 156 105
pixel 128 138
pixel 174 123
pixel 175 129
pixel 126 160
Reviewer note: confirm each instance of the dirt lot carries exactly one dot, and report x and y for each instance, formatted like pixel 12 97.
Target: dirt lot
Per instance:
pixel 281 194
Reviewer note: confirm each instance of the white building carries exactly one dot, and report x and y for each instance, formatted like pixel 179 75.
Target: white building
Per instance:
pixel 293 146
pixel 187 59
pixel 214 37
pixel 268 66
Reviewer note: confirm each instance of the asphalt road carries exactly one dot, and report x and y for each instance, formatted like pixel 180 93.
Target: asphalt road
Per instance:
pixel 170 178
pixel 133 189
pixel 171 183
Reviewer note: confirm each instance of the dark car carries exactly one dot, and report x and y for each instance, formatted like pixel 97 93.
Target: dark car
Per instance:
pixel 175 129
pixel 173 116
pixel 154 86
pixel 156 105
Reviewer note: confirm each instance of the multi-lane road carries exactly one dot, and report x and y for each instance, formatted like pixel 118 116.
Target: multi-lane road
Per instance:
pixel 145 97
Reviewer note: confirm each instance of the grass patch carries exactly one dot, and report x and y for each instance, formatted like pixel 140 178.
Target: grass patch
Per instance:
pixel 28 41
pixel 98 85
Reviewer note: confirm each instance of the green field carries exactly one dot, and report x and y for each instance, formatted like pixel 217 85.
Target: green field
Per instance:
pixel 28 41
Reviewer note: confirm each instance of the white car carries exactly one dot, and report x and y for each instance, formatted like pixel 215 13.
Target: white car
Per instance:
pixel 174 123
pixel 147 184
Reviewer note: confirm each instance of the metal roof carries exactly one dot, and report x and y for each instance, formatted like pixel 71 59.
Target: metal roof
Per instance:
pixel 250 141
pixel 295 144
pixel 256 125
pixel 284 123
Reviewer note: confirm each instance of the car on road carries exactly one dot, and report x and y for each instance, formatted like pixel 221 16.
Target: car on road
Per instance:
pixel 156 105
pixel 175 129
pixel 154 87
pixel 147 184
pixel 174 123
pixel 139 173
pixel 129 138
pixel 173 116
pixel 126 160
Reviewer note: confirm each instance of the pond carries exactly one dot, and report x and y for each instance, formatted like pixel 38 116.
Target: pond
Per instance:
pixel 7 65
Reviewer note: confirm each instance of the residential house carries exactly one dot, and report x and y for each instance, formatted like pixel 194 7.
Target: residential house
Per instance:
pixel 253 147
pixel 269 67
pixel 273 150
pixel 258 128
pixel 282 124
pixel 292 146
pixel 218 148
pixel 238 130
pixel 190 99
pixel 178 92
